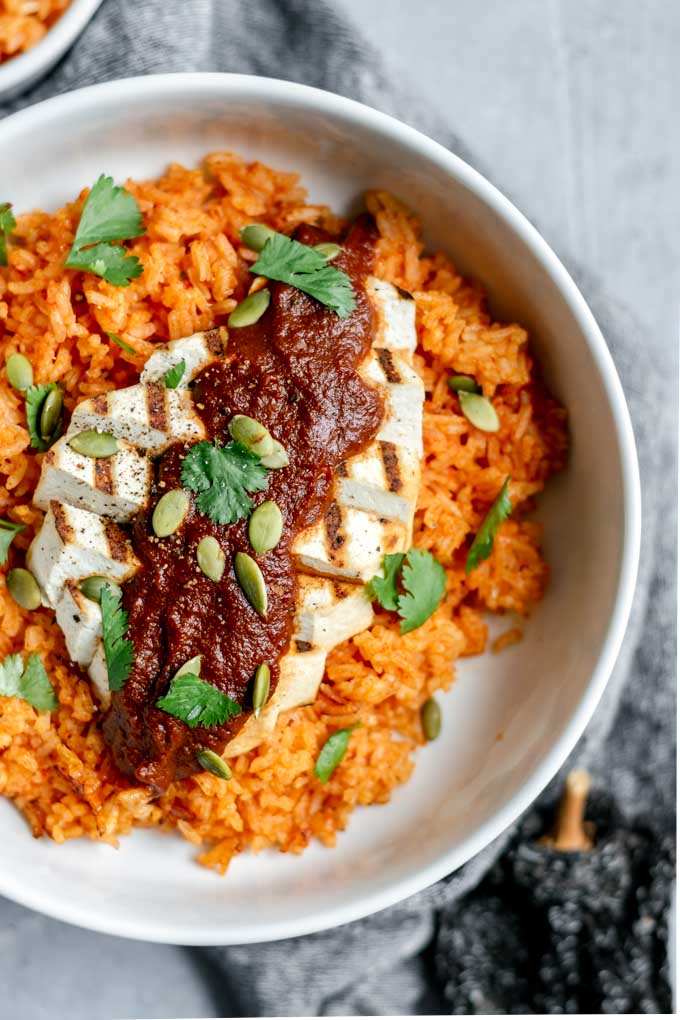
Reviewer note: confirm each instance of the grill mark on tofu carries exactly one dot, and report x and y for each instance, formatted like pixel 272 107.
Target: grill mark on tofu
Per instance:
pixel 116 541
pixel 303 646
pixel 103 475
pixel 333 524
pixel 390 460
pixel 342 470
pixel 100 404
pixel 155 402
pixel 387 364
pixel 216 340
pixel 64 529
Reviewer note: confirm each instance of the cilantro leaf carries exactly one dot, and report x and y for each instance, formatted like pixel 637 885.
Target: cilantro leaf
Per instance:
pixel 483 544
pixel 384 589
pixel 223 476
pixel 285 259
pixel 30 683
pixel 197 703
pixel 7 225
pixel 425 582
pixel 110 213
pixel 173 376
pixel 110 261
pixel 121 343
pixel 8 531
pixel 332 753
pixel 118 650
pixel 35 398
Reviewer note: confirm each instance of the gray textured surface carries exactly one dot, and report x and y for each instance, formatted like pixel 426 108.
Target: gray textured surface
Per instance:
pixel 568 108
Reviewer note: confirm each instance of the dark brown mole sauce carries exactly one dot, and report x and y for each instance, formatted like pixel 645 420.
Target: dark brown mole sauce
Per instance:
pixel 294 371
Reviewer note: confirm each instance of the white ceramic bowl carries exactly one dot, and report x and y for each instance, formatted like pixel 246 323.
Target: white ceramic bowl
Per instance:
pixel 19 73
pixel 468 785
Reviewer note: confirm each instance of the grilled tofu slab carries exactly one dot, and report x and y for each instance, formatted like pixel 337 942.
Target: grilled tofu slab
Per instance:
pixel 371 512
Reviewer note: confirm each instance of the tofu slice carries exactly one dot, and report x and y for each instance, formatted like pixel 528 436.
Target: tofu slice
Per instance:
pixel 395 314
pixel 150 417
pixel 116 487
pixel 404 397
pixel 73 544
pixel 329 613
pixel 81 622
pixel 196 351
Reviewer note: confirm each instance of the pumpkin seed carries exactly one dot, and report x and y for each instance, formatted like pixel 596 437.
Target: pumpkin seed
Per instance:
pixel 329 250
pixel 91 587
pixel 50 414
pixel 251 434
pixel 431 719
pixel 463 382
pixel 256 235
pixel 23 588
pixel 212 762
pixel 261 688
pixel 250 309
pixel 94 444
pixel 170 512
pixel 192 666
pixel 479 411
pixel 19 372
pixel 265 526
pixel 278 458
pixel 250 578
pixel 211 558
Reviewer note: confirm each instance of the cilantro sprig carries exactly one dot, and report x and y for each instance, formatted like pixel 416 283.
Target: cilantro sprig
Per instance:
pixel 35 401
pixel 197 703
pixel 413 585
pixel 174 375
pixel 30 682
pixel 289 261
pixel 121 343
pixel 7 225
pixel 223 476
pixel 110 214
pixel 332 753
pixel 8 532
pixel 483 544
pixel 118 649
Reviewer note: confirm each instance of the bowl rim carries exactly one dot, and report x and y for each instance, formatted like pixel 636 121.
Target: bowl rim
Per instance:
pixel 33 63
pixel 256 88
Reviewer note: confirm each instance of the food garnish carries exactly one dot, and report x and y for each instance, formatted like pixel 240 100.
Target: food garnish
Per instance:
pixel 256 235
pixel 278 458
pixel 118 649
pixel 466 383
pixel 431 718
pixel 332 753
pixel 261 685
pixel 91 443
pixel 483 544
pixel 212 763
pixel 39 416
pixel 7 225
pixel 121 343
pixel 251 581
pixel 211 558
pixel 253 436
pixel 30 682
pixel 265 526
pixel 197 703
pixel 8 531
pixel 423 581
pixel 284 259
pixel 328 249
pixel 91 587
pixel 19 372
pixel 110 214
pixel 24 588
pixel 174 375
pixel 170 512
pixel 250 310
pixel 223 476
pixel 479 411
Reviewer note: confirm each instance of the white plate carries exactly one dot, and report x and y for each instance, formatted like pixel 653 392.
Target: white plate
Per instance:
pixel 19 73
pixel 468 785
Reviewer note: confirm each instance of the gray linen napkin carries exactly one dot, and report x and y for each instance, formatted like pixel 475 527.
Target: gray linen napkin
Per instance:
pixel 379 965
